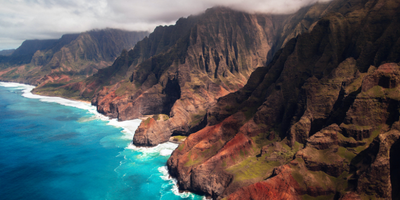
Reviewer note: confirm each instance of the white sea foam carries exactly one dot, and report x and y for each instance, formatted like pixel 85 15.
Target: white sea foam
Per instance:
pixel 164 149
pixel 166 177
pixel 27 92
pixel 66 102
pixel 129 127
pixel 16 85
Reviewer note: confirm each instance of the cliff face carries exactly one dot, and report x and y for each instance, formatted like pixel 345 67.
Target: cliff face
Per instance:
pixel 73 56
pixel 24 53
pixel 214 52
pixel 320 120
pixel 181 70
pixel 215 57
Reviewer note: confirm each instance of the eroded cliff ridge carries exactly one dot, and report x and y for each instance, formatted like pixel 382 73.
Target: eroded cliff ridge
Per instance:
pixel 49 64
pixel 179 71
pixel 321 120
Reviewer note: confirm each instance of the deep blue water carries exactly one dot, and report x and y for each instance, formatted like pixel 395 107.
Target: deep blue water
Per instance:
pixel 52 151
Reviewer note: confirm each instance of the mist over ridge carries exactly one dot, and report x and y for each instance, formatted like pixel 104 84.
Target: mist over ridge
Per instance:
pixel 22 20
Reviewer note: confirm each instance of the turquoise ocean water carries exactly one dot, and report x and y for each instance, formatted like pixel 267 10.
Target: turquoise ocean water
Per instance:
pixel 53 148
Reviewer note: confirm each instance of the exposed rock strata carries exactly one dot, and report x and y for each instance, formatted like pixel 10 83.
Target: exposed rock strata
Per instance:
pixel 330 99
pixel 182 70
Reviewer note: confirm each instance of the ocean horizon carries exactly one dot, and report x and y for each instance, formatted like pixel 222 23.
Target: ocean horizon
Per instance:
pixel 56 148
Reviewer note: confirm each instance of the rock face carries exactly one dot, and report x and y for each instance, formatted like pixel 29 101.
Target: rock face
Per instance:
pixel 24 53
pixel 45 63
pixel 320 120
pixel 181 70
pixel 198 60
pixel 154 132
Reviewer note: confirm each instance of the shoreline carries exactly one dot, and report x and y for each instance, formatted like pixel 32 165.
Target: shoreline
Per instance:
pixel 81 104
pixel 128 127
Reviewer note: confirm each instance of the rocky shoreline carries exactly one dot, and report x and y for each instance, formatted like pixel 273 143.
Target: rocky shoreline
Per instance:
pixel 293 106
pixel 321 120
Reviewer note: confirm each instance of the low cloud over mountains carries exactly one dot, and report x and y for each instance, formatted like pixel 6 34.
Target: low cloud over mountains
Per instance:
pixel 45 19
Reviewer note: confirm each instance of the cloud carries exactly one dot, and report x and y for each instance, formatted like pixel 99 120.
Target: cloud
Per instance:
pixel 47 19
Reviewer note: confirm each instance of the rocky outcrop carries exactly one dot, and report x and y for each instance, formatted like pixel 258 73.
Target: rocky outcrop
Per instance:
pixel 376 168
pixel 328 103
pixel 150 133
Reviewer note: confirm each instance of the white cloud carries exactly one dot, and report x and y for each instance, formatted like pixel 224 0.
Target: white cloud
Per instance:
pixel 46 19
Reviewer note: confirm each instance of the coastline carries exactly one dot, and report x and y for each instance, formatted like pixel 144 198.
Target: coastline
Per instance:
pixel 129 127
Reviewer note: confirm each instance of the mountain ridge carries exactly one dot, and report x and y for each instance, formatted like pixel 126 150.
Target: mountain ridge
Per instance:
pixel 308 124
pixel 182 69
pixel 293 106
pixel 73 56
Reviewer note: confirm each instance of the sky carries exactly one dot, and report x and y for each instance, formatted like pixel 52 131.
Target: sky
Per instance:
pixel 50 19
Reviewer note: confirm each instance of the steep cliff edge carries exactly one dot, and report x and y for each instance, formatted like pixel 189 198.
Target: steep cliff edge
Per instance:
pixel 320 120
pixel 215 57
pixel 53 63
pixel 181 70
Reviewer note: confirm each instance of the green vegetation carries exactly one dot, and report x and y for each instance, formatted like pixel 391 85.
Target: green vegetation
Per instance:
pixel 341 182
pixel 356 84
pixel 193 161
pixel 181 146
pixel 344 153
pixel 325 155
pixel 209 152
pixel 376 91
pixel 162 117
pixel 321 179
pixel 59 89
pixel 298 177
pixel 393 93
pixel 380 92
pixel 147 121
pixel 255 168
pixel 196 118
pixel 204 154
pixel 262 138
pixel 179 138
pixel 224 163
pixel 290 151
pixel 126 87
pixel 252 168
pixel 368 141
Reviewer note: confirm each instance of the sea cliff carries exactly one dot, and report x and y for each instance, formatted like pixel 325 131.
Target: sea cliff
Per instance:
pixel 320 120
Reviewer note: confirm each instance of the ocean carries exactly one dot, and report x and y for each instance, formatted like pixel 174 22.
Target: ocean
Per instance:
pixel 54 148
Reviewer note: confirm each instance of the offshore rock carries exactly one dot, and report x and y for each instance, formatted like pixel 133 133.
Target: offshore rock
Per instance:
pixel 150 133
